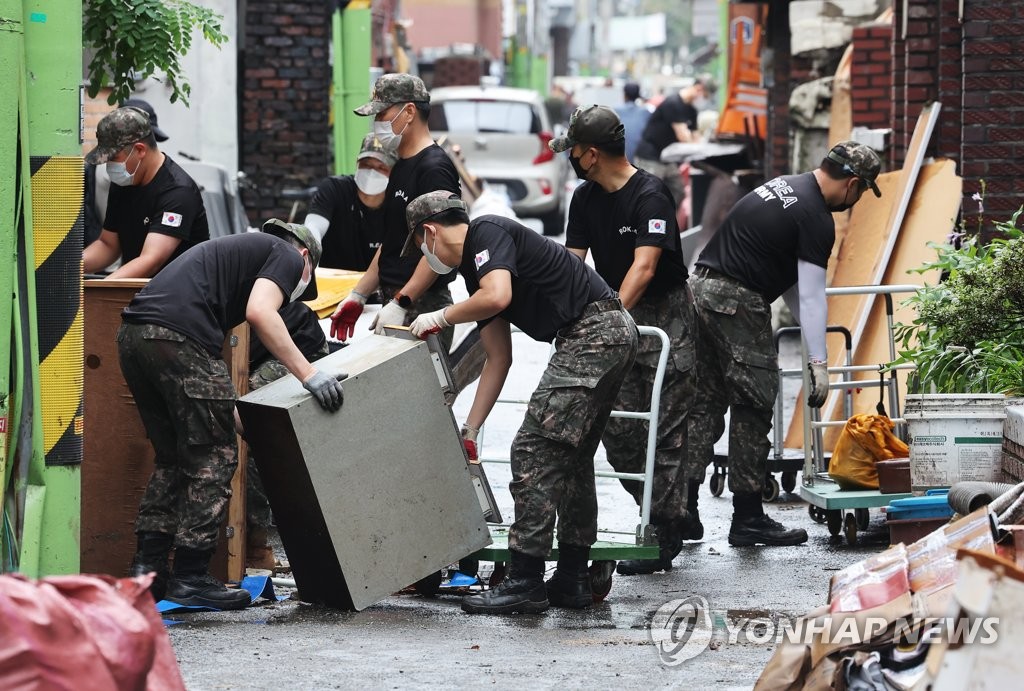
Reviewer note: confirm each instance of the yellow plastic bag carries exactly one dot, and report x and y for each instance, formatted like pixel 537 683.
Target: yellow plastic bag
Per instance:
pixel 865 439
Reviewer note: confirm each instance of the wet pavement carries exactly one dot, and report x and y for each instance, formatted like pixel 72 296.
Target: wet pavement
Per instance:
pixel 413 641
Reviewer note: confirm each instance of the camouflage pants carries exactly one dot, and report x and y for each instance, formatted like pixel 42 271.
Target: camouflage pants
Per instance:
pixel 432 300
pixel 626 440
pixel 186 400
pixel 257 506
pixel 553 452
pixel 738 370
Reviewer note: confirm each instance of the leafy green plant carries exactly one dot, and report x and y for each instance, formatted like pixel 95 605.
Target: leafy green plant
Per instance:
pixel 135 39
pixel 968 336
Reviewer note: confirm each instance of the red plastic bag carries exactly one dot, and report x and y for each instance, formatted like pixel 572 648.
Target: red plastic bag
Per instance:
pixel 65 631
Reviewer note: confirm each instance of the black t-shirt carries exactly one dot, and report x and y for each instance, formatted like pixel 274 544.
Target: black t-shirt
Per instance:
pixel 768 230
pixel 659 132
pixel 170 204
pixel 204 292
pixel 304 328
pixel 427 171
pixel 550 286
pixel 355 230
pixel 612 225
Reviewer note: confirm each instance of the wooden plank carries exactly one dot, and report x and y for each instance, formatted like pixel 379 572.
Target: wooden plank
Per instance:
pixel 930 217
pixel 865 252
pixel 238 343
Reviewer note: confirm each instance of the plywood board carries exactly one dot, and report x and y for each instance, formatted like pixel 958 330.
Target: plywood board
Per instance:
pixel 930 217
pixel 840 122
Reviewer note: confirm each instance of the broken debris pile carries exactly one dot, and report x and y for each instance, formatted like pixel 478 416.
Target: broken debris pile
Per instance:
pixel 941 613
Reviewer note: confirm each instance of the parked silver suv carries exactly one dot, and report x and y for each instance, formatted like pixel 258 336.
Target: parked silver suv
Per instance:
pixel 504 133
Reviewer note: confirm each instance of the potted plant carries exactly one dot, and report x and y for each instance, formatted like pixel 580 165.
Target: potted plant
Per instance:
pixel 967 346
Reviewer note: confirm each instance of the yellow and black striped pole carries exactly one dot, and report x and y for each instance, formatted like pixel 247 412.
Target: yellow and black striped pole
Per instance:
pixel 58 227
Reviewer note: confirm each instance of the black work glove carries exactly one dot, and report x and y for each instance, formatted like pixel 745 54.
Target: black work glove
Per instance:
pixel 818 381
pixel 327 389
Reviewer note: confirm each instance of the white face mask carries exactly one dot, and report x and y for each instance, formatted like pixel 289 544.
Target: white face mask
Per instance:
pixel 386 134
pixel 118 171
pixel 303 283
pixel 435 264
pixel 370 181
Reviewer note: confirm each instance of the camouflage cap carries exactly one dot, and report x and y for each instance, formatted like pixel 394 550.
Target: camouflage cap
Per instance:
pixel 281 229
pixel 590 125
pixel 858 159
pixel 116 130
pixel 372 148
pixel 422 208
pixel 394 88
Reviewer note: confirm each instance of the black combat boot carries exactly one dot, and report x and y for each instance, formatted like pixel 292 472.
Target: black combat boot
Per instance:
pixel 670 543
pixel 690 525
pixel 151 555
pixel 521 591
pixel 569 586
pixel 192 584
pixel 750 525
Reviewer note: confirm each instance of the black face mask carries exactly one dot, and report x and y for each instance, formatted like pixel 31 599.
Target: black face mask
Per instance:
pixel 839 208
pixel 577 167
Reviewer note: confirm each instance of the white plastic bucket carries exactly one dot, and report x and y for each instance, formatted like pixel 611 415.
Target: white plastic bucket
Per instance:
pixel 954 438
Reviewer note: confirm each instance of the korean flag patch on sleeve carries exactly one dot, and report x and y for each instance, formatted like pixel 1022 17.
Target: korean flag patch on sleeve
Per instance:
pixel 481 258
pixel 173 220
pixel 656 225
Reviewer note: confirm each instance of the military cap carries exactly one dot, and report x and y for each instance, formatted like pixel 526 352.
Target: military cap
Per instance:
pixel 394 88
pixel 372 148
pixel 590 125
pixel 423 208
pixel 859 160
pixel 116 130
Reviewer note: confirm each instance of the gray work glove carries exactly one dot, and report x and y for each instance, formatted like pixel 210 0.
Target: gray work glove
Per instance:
pixel 327 389
pixel 817 380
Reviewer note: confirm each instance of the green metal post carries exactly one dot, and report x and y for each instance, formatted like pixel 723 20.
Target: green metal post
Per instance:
pixel 52 117
pixel 10 64
pixel 350 31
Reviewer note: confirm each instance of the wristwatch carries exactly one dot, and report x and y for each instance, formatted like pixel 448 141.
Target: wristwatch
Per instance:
pixel 404 301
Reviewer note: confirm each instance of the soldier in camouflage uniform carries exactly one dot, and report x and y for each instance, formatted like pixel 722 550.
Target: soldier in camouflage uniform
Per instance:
pixel 400 106
pixel 169 346
pixel 775 241
pixel 554 297
pixel 624 217
pixel 304 327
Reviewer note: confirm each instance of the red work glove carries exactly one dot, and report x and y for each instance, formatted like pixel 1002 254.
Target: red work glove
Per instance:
pixel 343 321
pixel 469 435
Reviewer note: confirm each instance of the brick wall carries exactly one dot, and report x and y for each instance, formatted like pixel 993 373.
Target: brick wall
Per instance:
pixel 993 106
pixel 283 110
pixel 787 72
pixel 871 76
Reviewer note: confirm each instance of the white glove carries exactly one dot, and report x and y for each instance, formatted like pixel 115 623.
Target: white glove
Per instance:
pixel 429 323
pixel 817 382
pixel 390 315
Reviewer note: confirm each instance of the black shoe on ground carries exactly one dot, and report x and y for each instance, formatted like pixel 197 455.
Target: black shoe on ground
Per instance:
pixel 158 588
pixel 523 595
pixel 690 527
pixel 642 567
pixel 670 543
pixel 762 530
pixel 569 589
pixel 205 591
